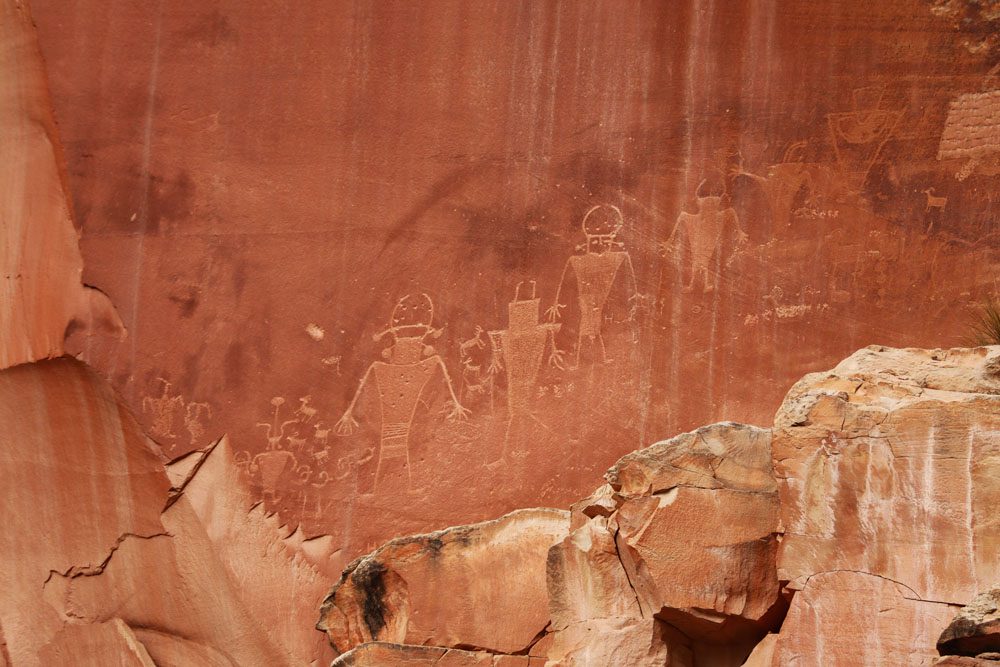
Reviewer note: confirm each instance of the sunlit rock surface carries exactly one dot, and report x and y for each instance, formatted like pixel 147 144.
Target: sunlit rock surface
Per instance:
pixel 431 589
pixel 126 566
pixel 887 466
pixel 367 270
pixel 41 297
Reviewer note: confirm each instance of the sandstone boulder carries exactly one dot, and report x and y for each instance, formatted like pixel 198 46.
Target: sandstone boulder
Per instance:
pixel 673 561
pixel 480 586
pixel 888 464
pixel 986 660
pixel 384 654
pixel 696 530
pixel 846 619
pixel 976 628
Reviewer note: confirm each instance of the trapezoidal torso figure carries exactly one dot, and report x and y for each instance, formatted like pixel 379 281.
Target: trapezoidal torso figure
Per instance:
pixel 596 270
pixel 705 231
pixel 401 379
pixel 520 350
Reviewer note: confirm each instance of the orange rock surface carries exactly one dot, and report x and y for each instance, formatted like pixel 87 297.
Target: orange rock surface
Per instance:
pixel 41 297
pixel 287 291
pixel 513 241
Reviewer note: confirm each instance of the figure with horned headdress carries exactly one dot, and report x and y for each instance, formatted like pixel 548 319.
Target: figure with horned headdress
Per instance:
pixel 410 364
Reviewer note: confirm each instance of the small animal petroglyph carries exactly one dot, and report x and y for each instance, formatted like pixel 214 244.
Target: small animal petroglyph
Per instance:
pixel 933 201
pixel 321 435
pixel 305 412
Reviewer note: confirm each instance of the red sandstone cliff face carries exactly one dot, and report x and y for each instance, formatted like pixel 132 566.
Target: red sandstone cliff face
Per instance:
pixel 358 235
pixel 41 299
pixel 386 268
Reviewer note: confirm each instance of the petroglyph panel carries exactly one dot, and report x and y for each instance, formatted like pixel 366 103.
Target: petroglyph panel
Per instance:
pixel 428 262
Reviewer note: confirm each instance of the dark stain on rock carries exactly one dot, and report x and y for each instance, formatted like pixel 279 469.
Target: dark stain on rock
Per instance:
pixel 235 365
pixel 434 546
pixel 211 30
pixel 169 200
pixel 186 299
pixel 369 579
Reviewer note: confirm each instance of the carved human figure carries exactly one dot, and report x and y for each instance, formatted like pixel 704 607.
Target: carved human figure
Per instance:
pixel 409 365
pixel 195 415
pixel 520 349
pixel 163 408
pixel 596 270
pixel 272 465
pixel 705 231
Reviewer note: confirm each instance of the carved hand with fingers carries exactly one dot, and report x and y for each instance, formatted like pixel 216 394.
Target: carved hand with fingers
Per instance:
pixel 553 312
pixel 457 412
pixel 346 425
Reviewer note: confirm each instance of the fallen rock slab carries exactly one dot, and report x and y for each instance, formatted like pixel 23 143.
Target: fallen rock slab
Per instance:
pixel 481 586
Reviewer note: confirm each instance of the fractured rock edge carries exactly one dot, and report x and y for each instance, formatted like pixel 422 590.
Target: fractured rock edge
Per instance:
pixel 893 378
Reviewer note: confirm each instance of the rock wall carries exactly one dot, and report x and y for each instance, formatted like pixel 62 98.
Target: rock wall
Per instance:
pixel 279 286
pixel 850 533
pixel 501 239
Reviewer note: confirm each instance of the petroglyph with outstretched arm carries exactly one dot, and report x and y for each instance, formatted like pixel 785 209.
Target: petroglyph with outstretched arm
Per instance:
pixel 596 269
pixel 704 231
pixel 401 379
pixel 521 349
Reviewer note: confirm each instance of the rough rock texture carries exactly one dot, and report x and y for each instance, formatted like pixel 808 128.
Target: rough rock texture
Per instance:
pixel 384 654
pixel 887 465
pixel 430 589
pixel 846 619
pixel 674 554
pixel 886 468
pixel 40 263
pixel 137 566
pixel 975 629
pixel 965 661
pixel 256 193
pixel 707 506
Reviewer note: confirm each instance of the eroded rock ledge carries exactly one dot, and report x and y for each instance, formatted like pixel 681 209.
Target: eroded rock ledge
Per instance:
pixel 848 534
